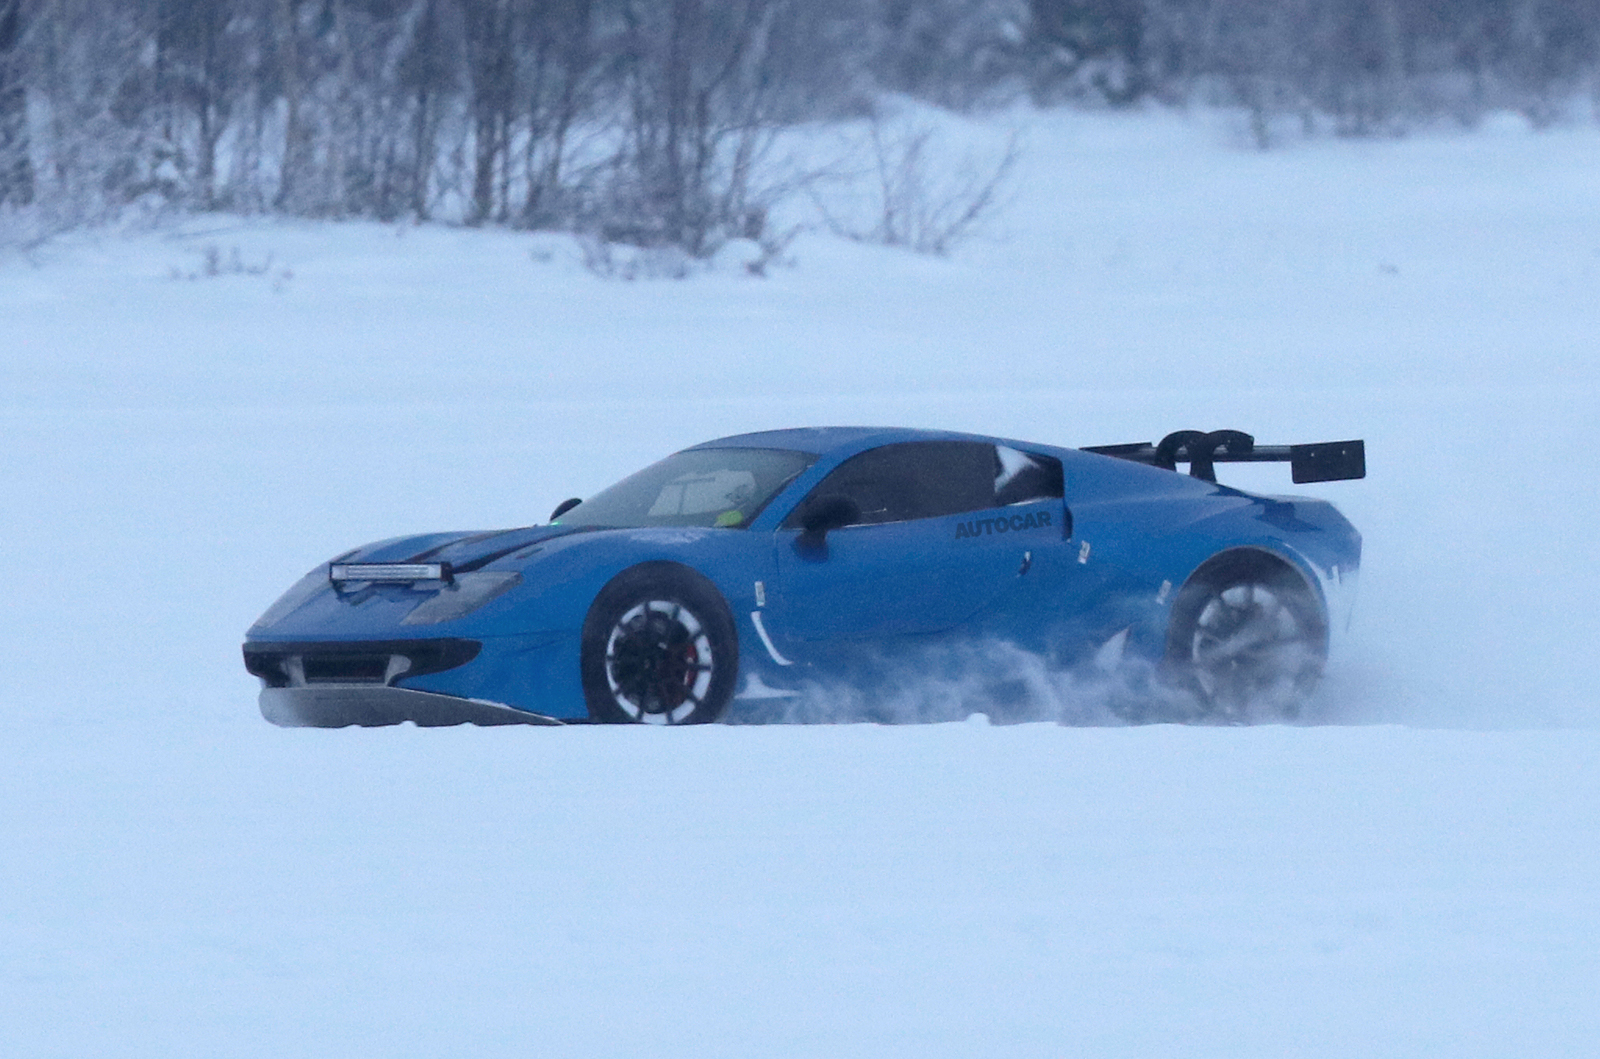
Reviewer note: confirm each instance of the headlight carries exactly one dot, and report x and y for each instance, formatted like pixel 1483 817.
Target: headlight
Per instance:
pixel 297 596
pixel 462 596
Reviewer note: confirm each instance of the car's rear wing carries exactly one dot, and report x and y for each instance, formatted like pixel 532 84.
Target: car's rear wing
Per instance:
pixel 1327 461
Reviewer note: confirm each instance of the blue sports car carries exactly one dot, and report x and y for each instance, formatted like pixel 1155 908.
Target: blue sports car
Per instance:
pixel 742 571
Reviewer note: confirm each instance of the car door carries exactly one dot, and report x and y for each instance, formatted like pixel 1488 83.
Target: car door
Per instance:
pixel 933 547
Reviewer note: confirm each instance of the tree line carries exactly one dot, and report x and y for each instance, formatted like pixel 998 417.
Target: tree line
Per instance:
pixel 644 121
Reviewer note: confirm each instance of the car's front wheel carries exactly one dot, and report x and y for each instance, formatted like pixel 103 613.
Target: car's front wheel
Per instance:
pixel 1248 639
pixel 659 647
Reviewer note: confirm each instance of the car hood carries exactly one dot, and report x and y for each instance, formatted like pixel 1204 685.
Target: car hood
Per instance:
pixel 506 569
pixel 463 550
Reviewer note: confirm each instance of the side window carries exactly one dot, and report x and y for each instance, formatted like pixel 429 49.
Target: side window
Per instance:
pixel 1023 477
pixel 912 480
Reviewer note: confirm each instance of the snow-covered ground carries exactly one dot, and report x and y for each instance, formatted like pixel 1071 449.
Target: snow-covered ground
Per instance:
pixel 1413 877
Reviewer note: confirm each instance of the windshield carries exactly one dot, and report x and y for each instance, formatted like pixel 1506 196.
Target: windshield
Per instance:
pixel 700 487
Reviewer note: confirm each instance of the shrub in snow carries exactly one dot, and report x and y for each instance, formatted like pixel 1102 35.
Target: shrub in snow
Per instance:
pixel 914 196
pixel 215 263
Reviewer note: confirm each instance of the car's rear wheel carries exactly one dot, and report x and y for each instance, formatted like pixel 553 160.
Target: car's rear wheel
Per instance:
pixel 1248 639
pixel 659 647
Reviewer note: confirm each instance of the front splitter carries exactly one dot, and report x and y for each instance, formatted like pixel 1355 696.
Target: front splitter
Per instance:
pixel 374 706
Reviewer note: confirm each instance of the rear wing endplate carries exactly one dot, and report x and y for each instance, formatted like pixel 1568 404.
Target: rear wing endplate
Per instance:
pixel 1325 461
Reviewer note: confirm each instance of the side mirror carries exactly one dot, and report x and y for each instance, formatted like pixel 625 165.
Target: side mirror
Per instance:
pixel 828 513
pixel 563 507
pixel 820 517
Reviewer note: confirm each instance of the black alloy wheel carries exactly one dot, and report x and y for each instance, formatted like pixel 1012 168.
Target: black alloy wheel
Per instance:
pixel 659 647
pixel 1248 640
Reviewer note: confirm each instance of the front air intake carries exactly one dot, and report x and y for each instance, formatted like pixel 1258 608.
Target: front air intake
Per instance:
pixel 348 669
pixel 283 665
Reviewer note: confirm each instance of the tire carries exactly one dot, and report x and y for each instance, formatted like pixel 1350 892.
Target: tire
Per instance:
pixel 1247 640
pixel 659 647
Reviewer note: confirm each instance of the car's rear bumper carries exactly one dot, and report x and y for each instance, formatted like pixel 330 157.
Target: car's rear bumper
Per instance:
pixel 374 705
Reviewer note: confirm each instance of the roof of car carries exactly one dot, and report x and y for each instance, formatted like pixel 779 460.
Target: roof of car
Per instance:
pixel 828 439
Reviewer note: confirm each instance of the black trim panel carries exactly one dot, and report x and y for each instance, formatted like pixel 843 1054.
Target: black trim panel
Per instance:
pixel 356 661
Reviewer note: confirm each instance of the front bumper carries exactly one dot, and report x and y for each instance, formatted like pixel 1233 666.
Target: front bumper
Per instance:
pixel 355 682
pixel 374 705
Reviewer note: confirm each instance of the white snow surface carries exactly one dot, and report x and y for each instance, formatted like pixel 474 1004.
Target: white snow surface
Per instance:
pixel 1412 873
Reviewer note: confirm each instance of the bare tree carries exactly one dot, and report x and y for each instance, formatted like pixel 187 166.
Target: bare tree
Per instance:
pixel 693 73
pixel 198 61
pixel 16 163
pixel 1088 47
pixel 1550 45
pixel 99 145
pixel 295 158
pixel 491 67
pixel 427 74
pixel 561 69
pixel 955 53
pixel 1260 56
